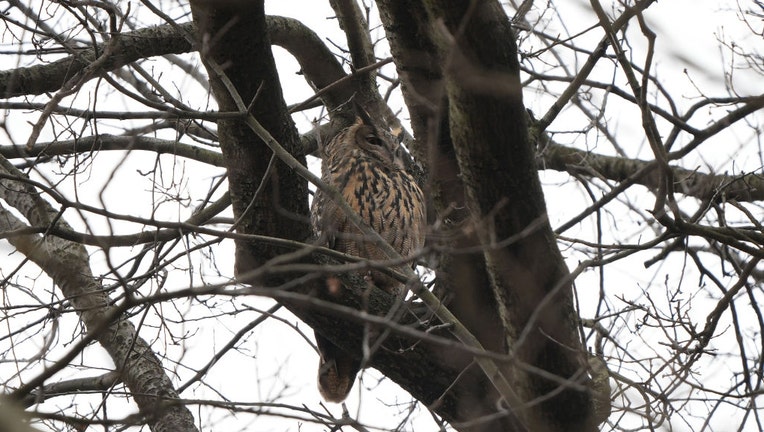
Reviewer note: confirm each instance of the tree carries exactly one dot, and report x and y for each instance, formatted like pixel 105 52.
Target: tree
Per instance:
pixel 495 335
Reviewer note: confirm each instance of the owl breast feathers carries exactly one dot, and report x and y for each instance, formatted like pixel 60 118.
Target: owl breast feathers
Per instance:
pixel 366 168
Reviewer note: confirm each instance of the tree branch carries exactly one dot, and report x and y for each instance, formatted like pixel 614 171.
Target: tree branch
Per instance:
pixel 132 46
pixel 745 187
pixel 114 142
pixel 67 264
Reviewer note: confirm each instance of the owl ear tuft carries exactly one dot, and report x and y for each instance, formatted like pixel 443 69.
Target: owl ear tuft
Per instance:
pixel 362 114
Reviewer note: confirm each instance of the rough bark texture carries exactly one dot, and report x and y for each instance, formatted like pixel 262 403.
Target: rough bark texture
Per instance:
pixel 38 79
pixel 437 376
pixel 746 187
pixel 458 65
pixel 419 68
pixel 497 162
pixel 317 62
pixel 462 278
pixel 67 264
pixel 441 376
pixel 234 38
pixel 485 125
pixel 497 166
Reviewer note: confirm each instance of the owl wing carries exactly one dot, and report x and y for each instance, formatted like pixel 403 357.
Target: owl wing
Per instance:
pixel 324 219
pixel 337 369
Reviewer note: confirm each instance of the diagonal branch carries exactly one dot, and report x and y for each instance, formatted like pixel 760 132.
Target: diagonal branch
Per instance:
pixel 67 265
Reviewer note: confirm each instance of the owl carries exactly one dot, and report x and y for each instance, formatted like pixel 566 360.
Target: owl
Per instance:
pixel 366 167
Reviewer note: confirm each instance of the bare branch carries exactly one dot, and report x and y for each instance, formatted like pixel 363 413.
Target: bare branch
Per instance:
pixel 67 264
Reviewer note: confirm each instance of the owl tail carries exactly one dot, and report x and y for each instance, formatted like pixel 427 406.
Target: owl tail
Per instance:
pixel 336 371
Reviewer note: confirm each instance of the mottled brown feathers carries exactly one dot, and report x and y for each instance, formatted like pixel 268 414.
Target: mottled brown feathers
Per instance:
pixel 364 165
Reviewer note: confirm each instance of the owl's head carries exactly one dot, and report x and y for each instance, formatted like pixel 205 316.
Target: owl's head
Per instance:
pixel 364 139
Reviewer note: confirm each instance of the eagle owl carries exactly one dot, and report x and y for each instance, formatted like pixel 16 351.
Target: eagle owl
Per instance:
pixel 365 166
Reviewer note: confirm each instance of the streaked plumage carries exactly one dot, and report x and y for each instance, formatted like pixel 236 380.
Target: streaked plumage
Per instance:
pixel 364 165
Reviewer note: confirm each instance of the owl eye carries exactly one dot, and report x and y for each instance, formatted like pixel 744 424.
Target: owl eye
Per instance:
pixel 373 140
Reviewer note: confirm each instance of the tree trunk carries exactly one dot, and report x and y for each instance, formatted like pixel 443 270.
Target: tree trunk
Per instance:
pixel 236 49
pixel 484 160
pixel 527 278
